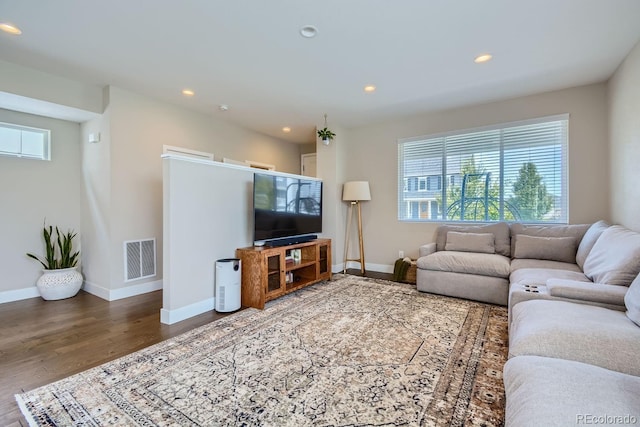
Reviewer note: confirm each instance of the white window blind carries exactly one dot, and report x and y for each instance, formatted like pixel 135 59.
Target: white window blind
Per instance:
pixel 510 172
pixel 23 141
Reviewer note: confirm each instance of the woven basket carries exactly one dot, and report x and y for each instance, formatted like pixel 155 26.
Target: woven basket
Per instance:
pixel 410 277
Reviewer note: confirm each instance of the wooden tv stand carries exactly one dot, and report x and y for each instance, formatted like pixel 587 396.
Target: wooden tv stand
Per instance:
pixel 267 275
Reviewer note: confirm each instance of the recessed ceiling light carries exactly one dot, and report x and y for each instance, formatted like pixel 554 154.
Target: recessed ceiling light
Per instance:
pixel 482 58
pixel 286 129
pixel 188 92
pixel 308 31
pixel 224 107
pixel 370 88
pixel 10 28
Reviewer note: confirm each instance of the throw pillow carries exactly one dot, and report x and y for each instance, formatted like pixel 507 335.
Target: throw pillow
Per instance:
pixel 615 257
pixel 470 242
pixel 589 239
pixel 500 230
pixel 576 231
pixel 632 301
pixel 561 249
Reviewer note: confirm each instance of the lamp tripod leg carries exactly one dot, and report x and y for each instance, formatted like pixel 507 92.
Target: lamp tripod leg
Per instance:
pixel 361 240
pixel 346 239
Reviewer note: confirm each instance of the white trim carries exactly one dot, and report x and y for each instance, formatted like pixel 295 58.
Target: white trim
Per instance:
pixel 169 317
pixel 121 293
pixel 380 268
pixel 232 166
pixel 234 162
pixel 186 152
pixel 19 294
pixel 96 290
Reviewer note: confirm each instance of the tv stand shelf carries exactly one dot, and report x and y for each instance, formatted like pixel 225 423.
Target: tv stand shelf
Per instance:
pixel 266 273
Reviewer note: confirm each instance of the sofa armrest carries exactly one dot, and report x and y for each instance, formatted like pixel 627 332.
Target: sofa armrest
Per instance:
pixel 427 249
pixel 586 291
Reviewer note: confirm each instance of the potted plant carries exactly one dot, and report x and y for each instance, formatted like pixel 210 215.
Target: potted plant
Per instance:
pixel 326 135
pixel 60 278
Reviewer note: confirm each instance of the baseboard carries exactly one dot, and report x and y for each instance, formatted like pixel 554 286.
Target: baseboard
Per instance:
pixel 126 292
pixel 169 317
pixel 380 268
pixel 96 290
pixel 19 294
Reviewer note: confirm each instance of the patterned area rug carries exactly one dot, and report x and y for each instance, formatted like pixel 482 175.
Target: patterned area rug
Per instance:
pixel 349 352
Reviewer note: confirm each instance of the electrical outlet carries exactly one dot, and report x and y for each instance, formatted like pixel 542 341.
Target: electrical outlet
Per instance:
pixel 400 254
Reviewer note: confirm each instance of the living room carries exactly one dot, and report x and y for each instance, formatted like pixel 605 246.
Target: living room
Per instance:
pixel 113 188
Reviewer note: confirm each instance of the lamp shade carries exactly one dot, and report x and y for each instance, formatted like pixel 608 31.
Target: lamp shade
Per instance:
pixel 356 191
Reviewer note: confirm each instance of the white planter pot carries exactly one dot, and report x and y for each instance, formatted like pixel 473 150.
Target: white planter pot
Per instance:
pixel 59 284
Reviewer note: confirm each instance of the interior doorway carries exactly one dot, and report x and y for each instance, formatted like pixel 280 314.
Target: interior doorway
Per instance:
pixel 308 164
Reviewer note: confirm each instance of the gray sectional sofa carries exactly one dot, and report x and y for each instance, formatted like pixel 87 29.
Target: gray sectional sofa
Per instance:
pixel 573 294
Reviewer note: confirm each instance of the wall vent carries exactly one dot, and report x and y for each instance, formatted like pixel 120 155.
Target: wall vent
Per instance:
pixel 139 259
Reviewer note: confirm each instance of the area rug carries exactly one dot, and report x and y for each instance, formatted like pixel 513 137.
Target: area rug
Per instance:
pixel 346 352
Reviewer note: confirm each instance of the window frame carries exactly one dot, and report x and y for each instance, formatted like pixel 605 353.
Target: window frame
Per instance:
pixel 448 179
pixel 46 149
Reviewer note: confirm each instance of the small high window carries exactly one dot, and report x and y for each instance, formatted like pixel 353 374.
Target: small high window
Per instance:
pixel 24 141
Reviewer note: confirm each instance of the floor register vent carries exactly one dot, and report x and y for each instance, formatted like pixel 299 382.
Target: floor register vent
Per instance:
pixel 139 259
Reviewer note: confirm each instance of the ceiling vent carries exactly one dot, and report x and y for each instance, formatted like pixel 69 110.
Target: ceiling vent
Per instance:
pixel 139 259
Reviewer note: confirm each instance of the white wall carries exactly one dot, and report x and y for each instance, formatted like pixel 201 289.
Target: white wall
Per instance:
pixel 31 191
pixel 207 216
pixel 371 154
pixel 37 85
pixel 624 141
pixel 207 208
pixel 123 175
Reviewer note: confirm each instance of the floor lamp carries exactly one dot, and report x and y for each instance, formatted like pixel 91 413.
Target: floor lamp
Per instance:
pixel 355 192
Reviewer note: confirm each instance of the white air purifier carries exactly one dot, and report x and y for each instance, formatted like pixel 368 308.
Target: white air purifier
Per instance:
pixel 227 288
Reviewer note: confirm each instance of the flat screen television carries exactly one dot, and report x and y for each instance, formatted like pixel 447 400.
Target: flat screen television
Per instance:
pixel 286 209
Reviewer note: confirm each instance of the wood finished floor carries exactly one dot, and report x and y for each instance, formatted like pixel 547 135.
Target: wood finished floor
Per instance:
pixel 44 341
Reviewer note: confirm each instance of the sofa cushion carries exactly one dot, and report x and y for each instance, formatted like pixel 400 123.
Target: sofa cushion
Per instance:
pixel 539 276
pixel 500 231
pixel 587 291
pixel 561 249
pixel 542 391
pixel 632 301
pixel 615 257
pixel 470 242
pixel 575 230
pixel 589 239
pixel 493 265
pixel 517 264
pixel 584 333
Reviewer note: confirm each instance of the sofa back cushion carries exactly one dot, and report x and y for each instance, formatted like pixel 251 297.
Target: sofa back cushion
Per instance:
pixel 500 231
pixel 632 301
pixel 561 249
pixel 615 257
pixel 470 242
pixel 576 231
pixel 589 239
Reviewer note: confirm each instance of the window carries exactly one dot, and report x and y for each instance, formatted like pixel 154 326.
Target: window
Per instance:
pixel 422 183
pixel 23 141
pixel 510 172
pixel 434 182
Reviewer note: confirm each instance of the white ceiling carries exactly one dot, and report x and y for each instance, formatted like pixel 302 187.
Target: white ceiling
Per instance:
pixel 249 53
